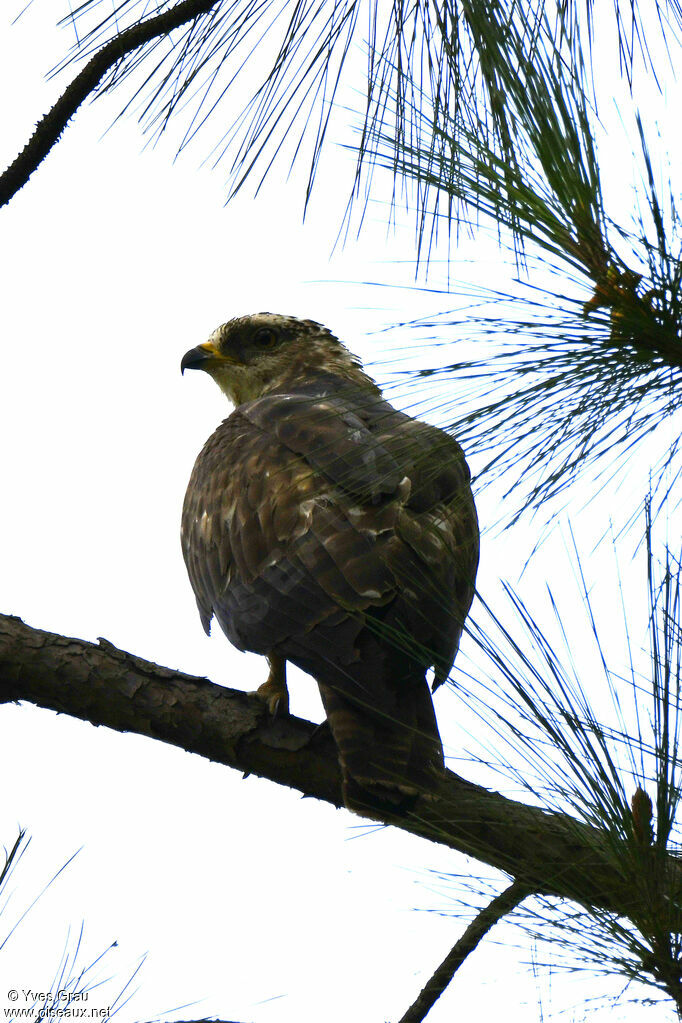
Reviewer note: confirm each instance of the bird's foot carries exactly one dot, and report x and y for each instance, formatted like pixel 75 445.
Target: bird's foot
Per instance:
pixel 274 696
pixel 274 693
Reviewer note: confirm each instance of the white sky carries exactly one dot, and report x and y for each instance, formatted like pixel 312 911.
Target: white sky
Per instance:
pixel 252 904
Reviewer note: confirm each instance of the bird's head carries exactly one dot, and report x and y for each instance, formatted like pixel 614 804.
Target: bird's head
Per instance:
pixel 255 355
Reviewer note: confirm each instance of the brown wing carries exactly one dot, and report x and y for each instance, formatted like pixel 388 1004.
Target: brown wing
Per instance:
pixel 297 508
pixel 439 524
pixel 269 543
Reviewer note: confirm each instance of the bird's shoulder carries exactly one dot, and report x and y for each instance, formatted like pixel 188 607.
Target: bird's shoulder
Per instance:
pixel 352 436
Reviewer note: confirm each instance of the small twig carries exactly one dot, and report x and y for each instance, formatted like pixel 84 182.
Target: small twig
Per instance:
pixel 502 904
pixel 50 127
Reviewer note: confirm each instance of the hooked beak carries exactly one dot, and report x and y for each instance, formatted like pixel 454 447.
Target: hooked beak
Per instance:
pixel 203 357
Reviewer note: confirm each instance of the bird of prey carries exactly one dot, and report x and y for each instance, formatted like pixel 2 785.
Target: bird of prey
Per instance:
pixel 322 526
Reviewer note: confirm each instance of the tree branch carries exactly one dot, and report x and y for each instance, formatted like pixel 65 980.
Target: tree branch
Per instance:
pixel 49 129
pixel 546 852
pixel 500 906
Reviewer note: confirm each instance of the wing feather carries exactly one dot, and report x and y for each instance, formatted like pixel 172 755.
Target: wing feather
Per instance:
pixel 302 511
pixel 332 439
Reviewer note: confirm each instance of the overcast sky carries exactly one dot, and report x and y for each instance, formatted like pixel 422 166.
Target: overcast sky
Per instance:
pixel 249 902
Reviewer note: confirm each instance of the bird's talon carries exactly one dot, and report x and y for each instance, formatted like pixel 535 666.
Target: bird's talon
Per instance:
pixel 275 698
pixel 274 693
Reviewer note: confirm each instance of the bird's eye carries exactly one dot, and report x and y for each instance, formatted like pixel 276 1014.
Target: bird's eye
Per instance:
pixel 266 337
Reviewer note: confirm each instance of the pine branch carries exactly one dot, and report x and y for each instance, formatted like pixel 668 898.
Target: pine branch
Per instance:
pixel 548 852
pixel 500 906
pixel 49 129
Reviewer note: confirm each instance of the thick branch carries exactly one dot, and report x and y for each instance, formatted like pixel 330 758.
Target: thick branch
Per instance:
pixel 49 129
pixel 546 852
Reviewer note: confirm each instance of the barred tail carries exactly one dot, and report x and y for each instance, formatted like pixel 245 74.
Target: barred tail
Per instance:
pixel 388 756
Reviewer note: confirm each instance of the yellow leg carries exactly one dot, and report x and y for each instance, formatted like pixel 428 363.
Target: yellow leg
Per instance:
pixel 274 692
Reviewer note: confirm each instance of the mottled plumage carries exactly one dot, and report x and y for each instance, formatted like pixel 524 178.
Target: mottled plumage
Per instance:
pixel 324 527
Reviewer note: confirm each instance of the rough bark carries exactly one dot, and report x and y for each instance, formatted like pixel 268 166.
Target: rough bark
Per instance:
pixel 547 852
